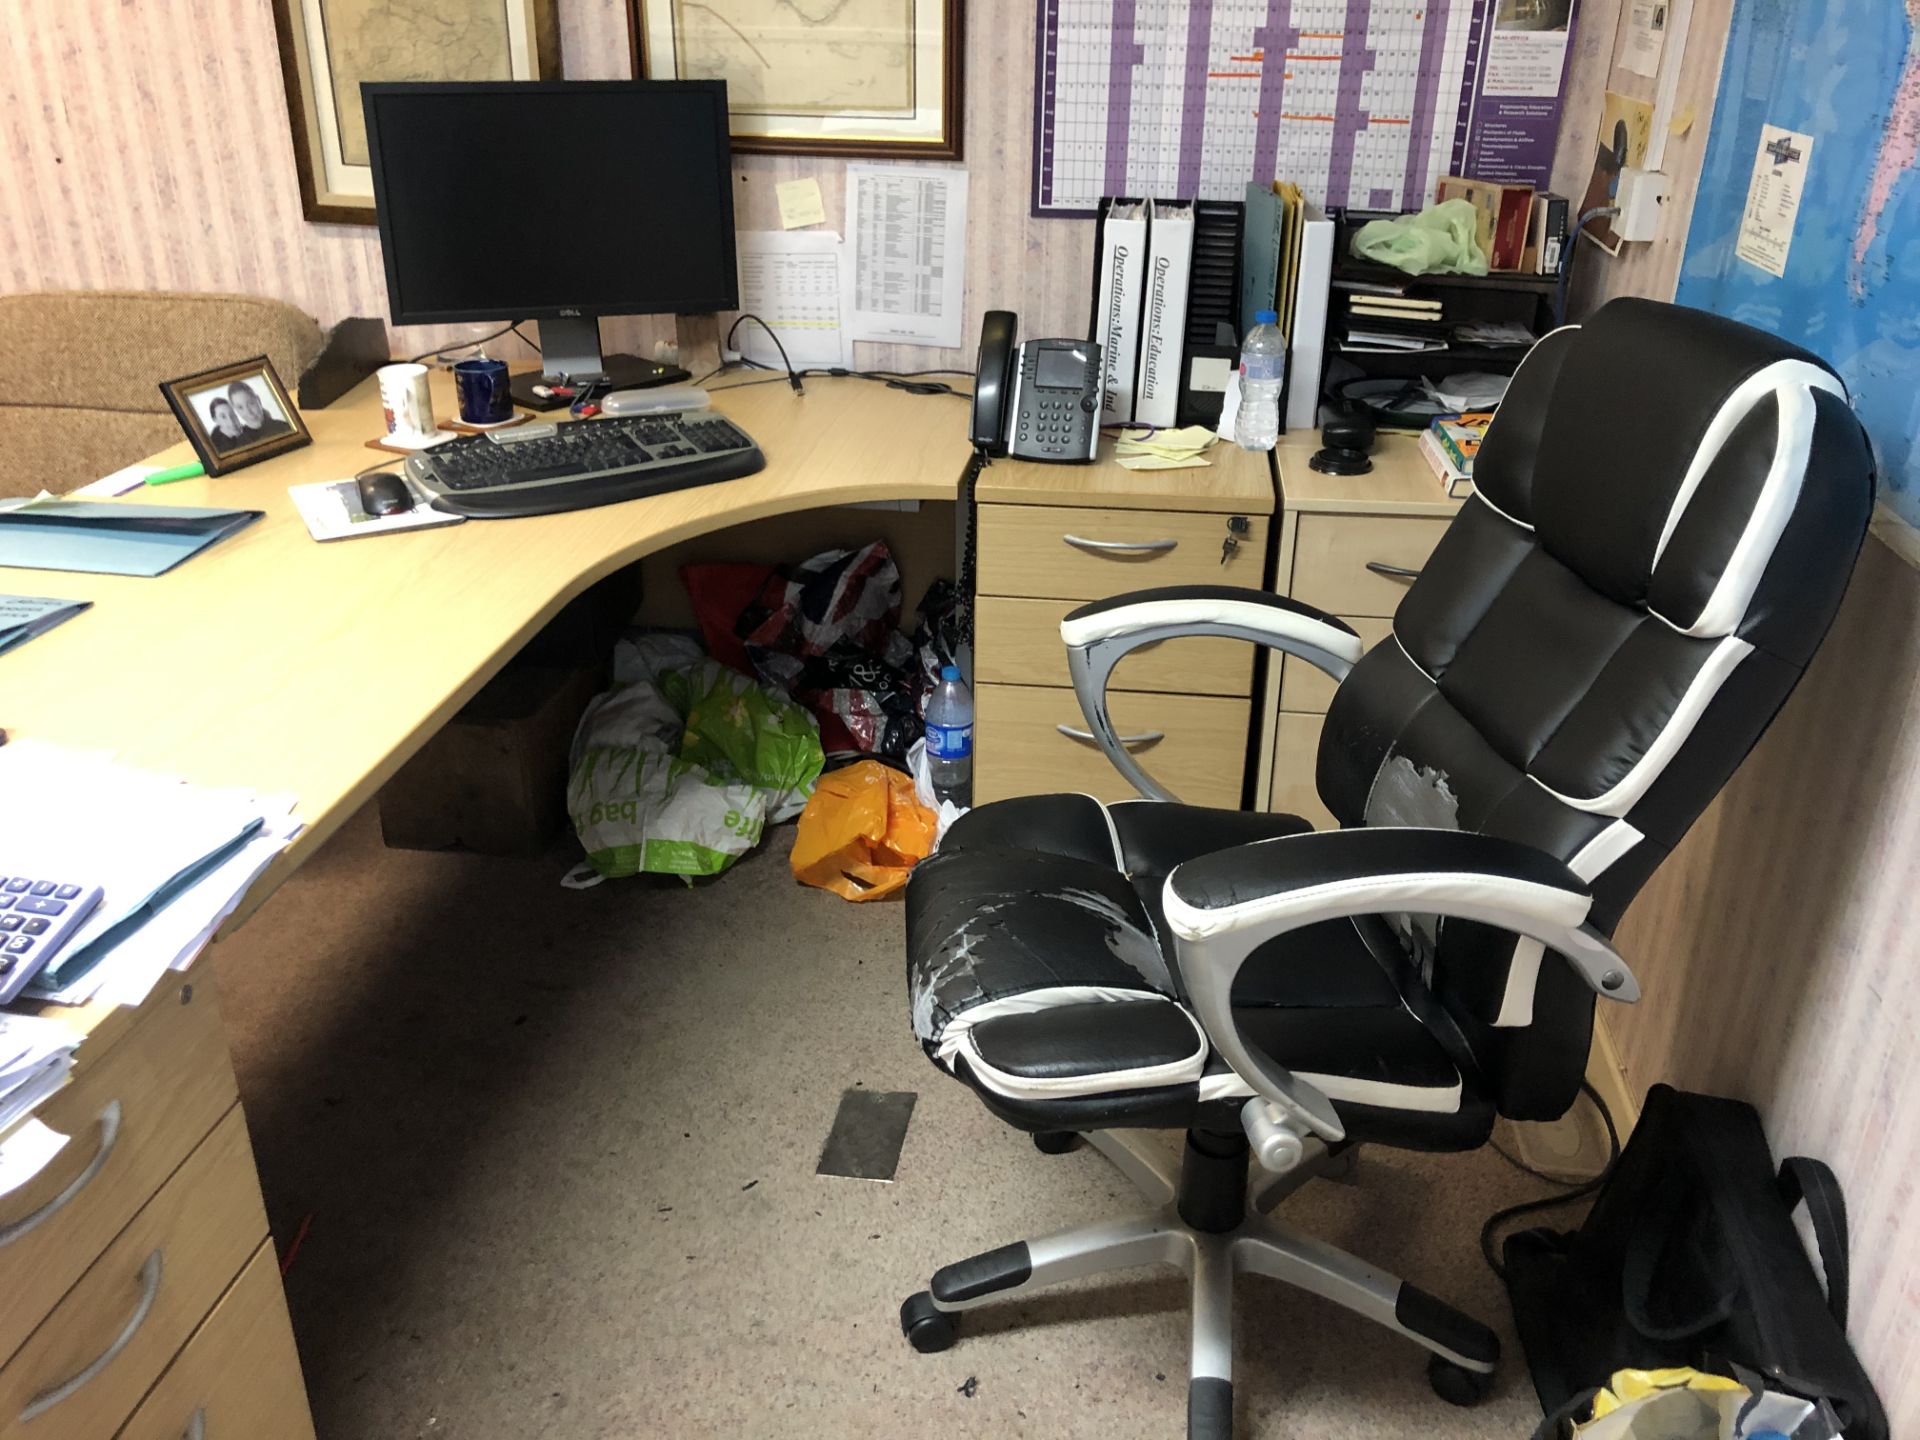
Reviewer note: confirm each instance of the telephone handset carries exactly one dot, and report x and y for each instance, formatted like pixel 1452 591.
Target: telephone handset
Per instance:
pixel 1040 401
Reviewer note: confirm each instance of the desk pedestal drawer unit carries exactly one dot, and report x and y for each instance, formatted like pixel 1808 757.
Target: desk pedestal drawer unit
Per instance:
pixel 132 1114
pixel 85 1369
pixel 1050 538
pixel 238 1376
pixel 1349 545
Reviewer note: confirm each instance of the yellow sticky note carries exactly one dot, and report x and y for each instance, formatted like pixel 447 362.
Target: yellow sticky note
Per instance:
pixel 1164 462
pixel 800 203
pixel 1681 123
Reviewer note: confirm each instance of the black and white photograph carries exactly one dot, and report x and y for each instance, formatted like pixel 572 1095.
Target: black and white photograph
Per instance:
pixel 236 414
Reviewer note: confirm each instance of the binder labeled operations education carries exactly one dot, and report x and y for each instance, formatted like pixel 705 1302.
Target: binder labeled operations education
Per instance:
pixel 1164 313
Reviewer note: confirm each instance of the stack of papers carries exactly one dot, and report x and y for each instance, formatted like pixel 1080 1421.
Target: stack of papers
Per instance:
pixel 1164 449
pixel 22 617
pixel 35 1056
pixel 173 860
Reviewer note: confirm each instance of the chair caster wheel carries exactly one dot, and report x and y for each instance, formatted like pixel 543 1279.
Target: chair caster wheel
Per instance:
pixel 1456 1384
pixel 1055 1142
pixel 928 1330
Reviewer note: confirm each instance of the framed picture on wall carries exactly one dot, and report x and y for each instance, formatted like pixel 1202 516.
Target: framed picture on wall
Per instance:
pixel 328 48
pixel 879 78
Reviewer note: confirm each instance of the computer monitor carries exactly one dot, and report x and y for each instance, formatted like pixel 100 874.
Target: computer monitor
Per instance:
pixel 557 202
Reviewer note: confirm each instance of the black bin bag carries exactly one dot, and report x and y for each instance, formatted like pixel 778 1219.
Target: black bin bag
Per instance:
pixel 1690 1256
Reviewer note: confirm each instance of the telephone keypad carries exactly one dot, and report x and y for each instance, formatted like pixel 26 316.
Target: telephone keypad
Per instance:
pixel 1055 426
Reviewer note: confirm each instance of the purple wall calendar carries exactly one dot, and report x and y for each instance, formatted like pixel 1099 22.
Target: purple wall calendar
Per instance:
pixel 1363 103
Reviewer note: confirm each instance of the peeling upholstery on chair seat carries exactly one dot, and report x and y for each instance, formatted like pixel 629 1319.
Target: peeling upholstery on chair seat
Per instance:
pixel 1036 969
pixel 1000 925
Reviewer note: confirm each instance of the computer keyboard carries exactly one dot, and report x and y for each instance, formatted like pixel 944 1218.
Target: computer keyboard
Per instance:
pixel 583 463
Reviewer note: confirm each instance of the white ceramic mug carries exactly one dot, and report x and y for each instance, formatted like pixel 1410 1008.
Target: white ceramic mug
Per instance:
pixel 407 401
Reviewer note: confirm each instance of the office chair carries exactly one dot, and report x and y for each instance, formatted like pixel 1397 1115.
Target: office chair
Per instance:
pixel 1667 511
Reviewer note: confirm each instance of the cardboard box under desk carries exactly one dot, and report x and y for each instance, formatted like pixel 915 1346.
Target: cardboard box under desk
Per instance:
pixel 494 780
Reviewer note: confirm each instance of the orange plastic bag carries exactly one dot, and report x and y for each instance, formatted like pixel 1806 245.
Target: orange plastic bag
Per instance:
pixel 862 832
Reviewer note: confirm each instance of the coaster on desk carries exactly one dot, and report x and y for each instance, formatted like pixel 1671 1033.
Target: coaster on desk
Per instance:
pixel 394 445
pixel 467 427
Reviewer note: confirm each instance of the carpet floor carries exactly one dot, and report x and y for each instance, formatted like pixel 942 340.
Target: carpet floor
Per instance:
pixel 553 1153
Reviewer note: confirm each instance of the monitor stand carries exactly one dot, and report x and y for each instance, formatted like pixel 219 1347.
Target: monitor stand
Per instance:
pixel 570 348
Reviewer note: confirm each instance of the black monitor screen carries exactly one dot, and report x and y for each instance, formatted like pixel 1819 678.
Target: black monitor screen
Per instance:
pixel 533 201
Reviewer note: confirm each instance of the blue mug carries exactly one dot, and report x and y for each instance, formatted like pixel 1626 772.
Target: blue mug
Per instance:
pixel 485 398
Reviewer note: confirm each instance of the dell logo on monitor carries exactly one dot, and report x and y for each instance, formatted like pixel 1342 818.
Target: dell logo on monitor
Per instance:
pixel 566 311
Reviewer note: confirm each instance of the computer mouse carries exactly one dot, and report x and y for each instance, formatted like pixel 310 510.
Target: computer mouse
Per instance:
pixel 384 493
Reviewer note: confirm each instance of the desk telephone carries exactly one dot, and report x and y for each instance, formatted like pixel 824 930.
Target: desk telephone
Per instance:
pixel 1040 401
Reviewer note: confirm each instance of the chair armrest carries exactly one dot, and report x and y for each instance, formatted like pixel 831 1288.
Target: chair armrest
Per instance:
pixel 1224 906
pixel 1098 636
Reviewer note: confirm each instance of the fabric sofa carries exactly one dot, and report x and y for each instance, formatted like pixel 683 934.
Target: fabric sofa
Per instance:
pixel 80 373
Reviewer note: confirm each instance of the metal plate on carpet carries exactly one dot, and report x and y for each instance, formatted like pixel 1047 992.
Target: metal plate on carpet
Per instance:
pixel 867 1134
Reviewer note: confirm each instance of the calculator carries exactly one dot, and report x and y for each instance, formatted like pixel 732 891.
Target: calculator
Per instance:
pixel 38 914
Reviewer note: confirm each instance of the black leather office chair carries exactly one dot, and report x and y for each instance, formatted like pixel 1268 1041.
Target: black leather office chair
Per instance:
pixel 1669 506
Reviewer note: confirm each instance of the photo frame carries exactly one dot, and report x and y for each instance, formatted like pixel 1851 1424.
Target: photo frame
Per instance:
pixel 881 79
pixel 236 414
pixel 328 48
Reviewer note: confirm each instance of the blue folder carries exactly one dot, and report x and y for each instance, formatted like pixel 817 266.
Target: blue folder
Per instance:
pixel 101 538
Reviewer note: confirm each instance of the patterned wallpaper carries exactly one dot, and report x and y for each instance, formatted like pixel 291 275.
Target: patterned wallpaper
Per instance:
pixel 147 148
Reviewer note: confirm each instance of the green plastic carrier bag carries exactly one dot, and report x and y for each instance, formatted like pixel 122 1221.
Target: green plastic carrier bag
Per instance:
pixel 679 767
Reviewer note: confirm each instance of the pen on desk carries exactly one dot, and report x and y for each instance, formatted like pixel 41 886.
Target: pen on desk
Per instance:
pixel 177 472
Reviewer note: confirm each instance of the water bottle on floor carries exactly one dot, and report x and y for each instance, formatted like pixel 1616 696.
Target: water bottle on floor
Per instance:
pixel 950 737
pixel 1263 365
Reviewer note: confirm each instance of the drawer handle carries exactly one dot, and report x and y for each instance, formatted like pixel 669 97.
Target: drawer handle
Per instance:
pixel 1121 547
pixel 149 1292
pixel 109 1137
pixel 1145 737
pixel 1392 572
pixel 196 1427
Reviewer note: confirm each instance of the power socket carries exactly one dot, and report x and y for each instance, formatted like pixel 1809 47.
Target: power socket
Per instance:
pixel 1639 195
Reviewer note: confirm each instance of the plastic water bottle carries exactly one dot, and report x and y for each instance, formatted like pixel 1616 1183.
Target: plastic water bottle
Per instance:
pixel 1263 365
pixel 950 737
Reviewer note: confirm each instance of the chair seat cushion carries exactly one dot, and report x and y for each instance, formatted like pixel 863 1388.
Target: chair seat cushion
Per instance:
pixel 1040 972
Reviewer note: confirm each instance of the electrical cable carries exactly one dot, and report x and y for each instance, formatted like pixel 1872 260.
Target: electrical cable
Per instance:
pixel 1566 262
pixel 898 379
pixel 1553 1202
pixel 793 375
pixel 446 350
pixel 747 384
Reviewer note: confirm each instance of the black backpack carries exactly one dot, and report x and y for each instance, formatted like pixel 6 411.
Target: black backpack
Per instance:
pixel 1690 1257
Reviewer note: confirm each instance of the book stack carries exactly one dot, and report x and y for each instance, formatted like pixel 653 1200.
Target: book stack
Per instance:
pixel 1382 318
pixel 1450 444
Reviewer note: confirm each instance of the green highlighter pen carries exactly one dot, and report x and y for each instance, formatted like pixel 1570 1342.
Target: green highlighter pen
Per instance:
pixel 178 472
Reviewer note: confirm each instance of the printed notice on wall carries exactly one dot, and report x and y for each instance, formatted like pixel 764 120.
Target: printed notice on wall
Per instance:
pixel 1646 37
pixel 908 228
pixel 1773 198
pixel 797 284
pixel 1527 53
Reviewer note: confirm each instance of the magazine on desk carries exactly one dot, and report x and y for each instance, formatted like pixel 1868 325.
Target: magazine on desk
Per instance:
pixel 333 511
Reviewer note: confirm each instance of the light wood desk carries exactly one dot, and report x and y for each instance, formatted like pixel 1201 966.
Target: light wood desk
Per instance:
pixel 276 663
